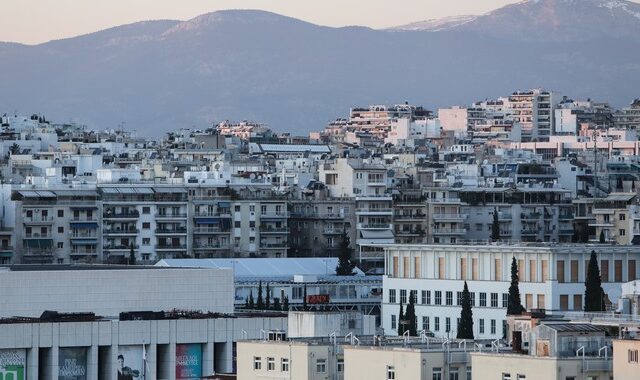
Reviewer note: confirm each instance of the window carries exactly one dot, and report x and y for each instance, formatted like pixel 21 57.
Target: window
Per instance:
pixel 60 245
pixel 393 321
pixel 60 213
pixel 340 365
pixel 252 224
pixel 483 299
pixel 146 210
pixel 392 296
pixel 403 296
pixel 257 363
pixel 437 373
pixel 60 230
pixel 493 327
pixel 494 299
pixel 236 224
pixel 505 300
pixel 622 232
pixel 146 225
pixel 473 298
pixel 633 356
pixel 468 373
pixel 436 323
pixel 425 323
pixel 617 272
pixel 459 298
pixel 146 241
pixel 447 324
pixel 271 364
pixel 506 376
pixel 321 365
pixel 564 302
pixel 622 216
pixel 391 372
pixel 481 326
pixel 428 297
pixel 438 297
pixel 560 270
pixel 521 377
pixel 453 374
pixel 449 298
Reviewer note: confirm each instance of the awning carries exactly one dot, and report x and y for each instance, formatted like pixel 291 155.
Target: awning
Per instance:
pixel 170 190
pixel 83 224
pixel 207 221
pixel 383 234
pixel 224 204
pixel 38 243
pixel 84 242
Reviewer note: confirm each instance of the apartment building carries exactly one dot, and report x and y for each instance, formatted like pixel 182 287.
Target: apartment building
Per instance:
pixel 551 278
pixel 629 117
pixel 260 227
pixel 626 364
pixel 410 221
pixel 616 219
pixel 533 110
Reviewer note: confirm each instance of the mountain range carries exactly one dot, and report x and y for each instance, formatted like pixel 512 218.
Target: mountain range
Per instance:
pixel 295 76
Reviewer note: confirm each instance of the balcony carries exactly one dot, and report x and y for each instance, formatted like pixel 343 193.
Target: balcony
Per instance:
pixel 84 252
pixel 169 231
pixel 204 247
pixel 374 211
pixel 174 247
pixel 449 231
pixel 565 216
pixel 374 226
pixel 273 245
pixel 273 230
pixel 449 217
pixel 84 236
pixel 210 230
pixel 274 215
pixel 121 232
pixel 529 232
pixel 37 235
pixel 333 231
pixel 177 215
pixel 126 214
pixel 84 219
pixel 120 247
pixel 38 220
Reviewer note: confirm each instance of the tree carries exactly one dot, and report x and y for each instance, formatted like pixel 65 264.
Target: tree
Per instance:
pixel 465 328
pixel 401 321
pixel 260 303
pixel 285 304
pixel 267 300
pixel 252 304
pixel 132 256
pixel 345 265
pixel 14 149
pixel 593 292
pixel 276 303
pixel 514 306
pixel 495 226
pixel 410 315
pixel 304 298
pixel 246 302
pixel 602 239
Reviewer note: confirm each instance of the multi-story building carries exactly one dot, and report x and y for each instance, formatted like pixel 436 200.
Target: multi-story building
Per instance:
pixel 534 111
pixel 551 278
pixel 615 219
pixel 628 118
pixel 410 221
pixel 260 227
pixel 626 362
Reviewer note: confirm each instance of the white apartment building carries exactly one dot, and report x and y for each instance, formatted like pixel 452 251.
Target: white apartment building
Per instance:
pixel 551 278
pixel 533 110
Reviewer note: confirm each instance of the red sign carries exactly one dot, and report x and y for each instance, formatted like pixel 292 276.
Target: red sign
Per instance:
pixel 318 298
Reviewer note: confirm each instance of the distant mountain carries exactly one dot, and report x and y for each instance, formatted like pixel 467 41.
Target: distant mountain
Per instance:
pixel 296 76
pixel 564 20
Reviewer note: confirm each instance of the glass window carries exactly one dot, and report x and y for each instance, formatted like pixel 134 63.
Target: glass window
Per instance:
pixel 392 296
pixel 60 213
pixel 506 376
pixel 493 326
pixel 321 365
pixel 393 321
pixel 391 372
pixel 284 365
pixel 425 323
pixel 146 210
pixel 481 326
pixel 483 299
pixel 438 297
pixel 459 298
pixel 340 365
pixel 505 300
pixel 436 323
pixel 494 299
pixel 447 324
pixel 453 374
pixel 271 364
pixel 423 297
pixel 257 363
pixel 437 373
pixel 449 298
pixel 403 296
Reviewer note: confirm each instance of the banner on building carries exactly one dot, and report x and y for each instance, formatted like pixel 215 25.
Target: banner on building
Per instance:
pixel 130 364
pixel 317 299
pixel 72 363
pixel 13 364
pixel 188 361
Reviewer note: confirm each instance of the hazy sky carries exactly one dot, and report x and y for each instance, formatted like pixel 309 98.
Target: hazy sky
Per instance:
pixel 35 21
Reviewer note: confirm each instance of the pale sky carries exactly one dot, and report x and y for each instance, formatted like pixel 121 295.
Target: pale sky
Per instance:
pixel 36 21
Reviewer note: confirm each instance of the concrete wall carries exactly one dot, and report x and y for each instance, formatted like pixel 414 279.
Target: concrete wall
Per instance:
pixel 623 368
pixel 109 292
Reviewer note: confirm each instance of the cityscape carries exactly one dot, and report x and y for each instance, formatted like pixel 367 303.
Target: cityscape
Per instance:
pixel 497 238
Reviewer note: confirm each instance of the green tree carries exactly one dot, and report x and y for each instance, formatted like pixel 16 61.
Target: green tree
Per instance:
pixel 410 315
pixel 267 300
pixel 465 328
pixel 285 304
pixel 260 302
pixel 276 303
pixel 495 226
pixel 14 149
pixel 593 292
pixel 401 321
pixel 246 302
pixel 602 238
pixel 514 306
pixel 252 304
pixel 304 298
pixel 345 265
pixel 132 256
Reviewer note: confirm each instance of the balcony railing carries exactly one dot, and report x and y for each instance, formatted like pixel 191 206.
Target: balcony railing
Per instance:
pixel 179 230
pixel 131 214
pixel 178 215
pixel 38 219
pixel 171 246
pixel 210 230
pixel 119 247
pixel 274 215
pixel 37 235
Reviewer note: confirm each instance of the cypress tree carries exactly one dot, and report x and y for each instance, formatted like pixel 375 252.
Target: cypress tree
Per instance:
pixel 246 302
pixel 345 265
pixel 132 256
pixel 514 306
pixel 593 292
pixel 304 298
pixel 465 329
pixel 276 303
pixel 602 239
pixel 401 321
pixel 285 304
pixel 252 304
pixel 495 226
pixel 410 315
pixel 260 303
pixel 267 300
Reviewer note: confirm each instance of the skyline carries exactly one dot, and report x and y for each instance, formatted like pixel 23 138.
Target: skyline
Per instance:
pixel 75 18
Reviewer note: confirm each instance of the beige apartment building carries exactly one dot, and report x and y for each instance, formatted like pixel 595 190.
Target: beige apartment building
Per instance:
pixel 625 359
